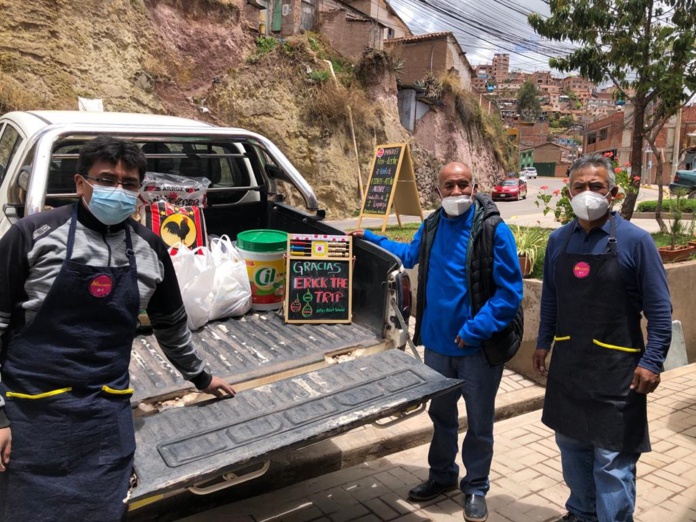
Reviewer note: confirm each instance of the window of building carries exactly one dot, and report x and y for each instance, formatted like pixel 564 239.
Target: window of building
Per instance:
pixel 591 138
pixel 603 134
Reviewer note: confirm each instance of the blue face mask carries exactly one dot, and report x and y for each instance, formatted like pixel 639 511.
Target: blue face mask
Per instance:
pixel 112 205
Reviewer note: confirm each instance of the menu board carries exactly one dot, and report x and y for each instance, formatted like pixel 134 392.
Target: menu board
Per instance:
pixel 319 279
pixel 392 183
pixel 382 177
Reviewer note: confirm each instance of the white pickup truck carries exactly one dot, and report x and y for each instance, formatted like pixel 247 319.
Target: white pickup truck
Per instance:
pixel 297 384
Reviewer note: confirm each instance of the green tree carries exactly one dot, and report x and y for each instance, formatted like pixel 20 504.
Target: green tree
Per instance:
pixel 528 102
pixel 646 48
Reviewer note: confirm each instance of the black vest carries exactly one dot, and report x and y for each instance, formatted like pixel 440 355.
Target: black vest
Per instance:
pixel 502 345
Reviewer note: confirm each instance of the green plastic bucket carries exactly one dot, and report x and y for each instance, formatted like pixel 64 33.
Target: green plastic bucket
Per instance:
pixel 263 252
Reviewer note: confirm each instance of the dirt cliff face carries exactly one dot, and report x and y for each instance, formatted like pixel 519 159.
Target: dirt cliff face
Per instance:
pixel 56 50
pixel 191 58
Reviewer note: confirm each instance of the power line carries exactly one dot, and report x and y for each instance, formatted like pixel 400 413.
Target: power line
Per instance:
pixel 499 27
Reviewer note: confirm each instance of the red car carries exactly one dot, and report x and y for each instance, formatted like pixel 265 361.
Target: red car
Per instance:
pixel 511 188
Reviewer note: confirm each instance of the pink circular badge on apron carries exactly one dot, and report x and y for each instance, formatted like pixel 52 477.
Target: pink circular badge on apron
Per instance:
pixel 101 286
pixel 581 270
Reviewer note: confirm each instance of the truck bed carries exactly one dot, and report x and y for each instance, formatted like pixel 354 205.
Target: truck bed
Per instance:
pixel 251 347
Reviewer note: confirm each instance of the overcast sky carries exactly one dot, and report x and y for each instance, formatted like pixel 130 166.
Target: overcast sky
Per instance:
pixel 484 27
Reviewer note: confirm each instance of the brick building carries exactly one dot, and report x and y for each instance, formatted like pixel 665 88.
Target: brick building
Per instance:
pixel 501 67
pixel 381 11
pixel 614 135
pixel 532 134
pixel 432 54
pixel 350 25
pixel 580 86
pixel 348 30
pixel 551 159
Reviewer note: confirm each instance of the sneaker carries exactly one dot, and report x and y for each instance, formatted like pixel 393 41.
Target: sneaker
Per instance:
pixel 428 490
pixel 475 509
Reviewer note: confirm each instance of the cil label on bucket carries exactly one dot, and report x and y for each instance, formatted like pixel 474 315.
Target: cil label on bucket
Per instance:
pixel 267 279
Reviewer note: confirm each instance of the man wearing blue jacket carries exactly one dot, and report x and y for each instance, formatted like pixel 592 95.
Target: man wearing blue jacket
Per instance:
pixel 469 291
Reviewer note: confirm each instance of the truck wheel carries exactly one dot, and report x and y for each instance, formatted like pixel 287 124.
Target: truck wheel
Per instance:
pixel 692 195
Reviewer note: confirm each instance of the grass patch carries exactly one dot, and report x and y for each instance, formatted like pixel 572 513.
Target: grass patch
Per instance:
pixel 264 46
pixel 319 76
pixel 329 102
pixel 403 234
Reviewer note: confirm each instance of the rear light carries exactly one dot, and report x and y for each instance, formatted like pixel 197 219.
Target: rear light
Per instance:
pixel 676 178
pixel 405 298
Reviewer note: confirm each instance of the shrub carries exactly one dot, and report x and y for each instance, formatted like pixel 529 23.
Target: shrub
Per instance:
pixel 688 206
pixel 319 76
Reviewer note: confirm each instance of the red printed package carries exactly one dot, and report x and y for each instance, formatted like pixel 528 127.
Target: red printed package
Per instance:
pixel 176 224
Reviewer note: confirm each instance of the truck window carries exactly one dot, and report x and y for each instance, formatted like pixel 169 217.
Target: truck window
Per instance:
pixel 61 175
pixel 9 141
pixel 225 164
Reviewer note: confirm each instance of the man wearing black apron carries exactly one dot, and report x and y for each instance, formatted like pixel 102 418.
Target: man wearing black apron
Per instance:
pixel 73 281
pixel 600 274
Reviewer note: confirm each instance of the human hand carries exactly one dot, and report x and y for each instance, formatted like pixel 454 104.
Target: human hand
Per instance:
pixel 539 361
pixel 460 342
pixel 5 447
pixel 645 381
pixel 357 233
pixel 219 388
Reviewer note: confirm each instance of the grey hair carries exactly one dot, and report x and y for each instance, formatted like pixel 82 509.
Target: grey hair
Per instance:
pixel 595 159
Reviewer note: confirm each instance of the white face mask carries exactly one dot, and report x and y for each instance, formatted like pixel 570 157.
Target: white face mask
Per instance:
pixel 589 205
pixel 456 205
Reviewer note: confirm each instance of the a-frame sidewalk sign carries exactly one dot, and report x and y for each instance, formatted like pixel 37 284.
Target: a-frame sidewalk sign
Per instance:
pixel 392 183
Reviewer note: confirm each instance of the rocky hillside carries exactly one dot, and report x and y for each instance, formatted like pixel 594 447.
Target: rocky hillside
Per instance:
pixel 202 59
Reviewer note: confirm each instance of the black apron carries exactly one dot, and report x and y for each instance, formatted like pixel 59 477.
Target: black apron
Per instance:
pixel 595 353
pixel 65 381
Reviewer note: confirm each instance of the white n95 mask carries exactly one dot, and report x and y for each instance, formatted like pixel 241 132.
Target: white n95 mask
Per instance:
pixel 589 205
pixel 457 205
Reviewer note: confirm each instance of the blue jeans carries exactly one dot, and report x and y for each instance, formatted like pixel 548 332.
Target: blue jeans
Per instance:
pixel 480 386
pixel 602 483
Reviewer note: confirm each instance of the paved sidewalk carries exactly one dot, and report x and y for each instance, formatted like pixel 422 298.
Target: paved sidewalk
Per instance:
pixel 526 477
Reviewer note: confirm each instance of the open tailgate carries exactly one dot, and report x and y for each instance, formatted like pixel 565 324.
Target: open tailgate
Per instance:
pixel 180 447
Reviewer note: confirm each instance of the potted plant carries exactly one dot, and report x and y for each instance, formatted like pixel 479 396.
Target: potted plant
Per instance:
pixel 530 241
pixel 680 233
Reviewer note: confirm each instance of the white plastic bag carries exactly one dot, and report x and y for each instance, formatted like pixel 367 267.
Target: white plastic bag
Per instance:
pixel 232 292
pixel 195 272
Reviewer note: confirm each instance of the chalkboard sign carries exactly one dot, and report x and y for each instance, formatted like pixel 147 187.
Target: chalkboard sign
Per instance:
pixel 392 183
pixel 318 279
pixel 385 169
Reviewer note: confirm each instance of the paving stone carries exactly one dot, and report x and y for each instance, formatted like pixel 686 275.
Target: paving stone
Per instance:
pixel 365 489
pixel 398 504
pixel 350 513
pixel 368 518
pixel 302 515
pixel 381 509
pixel 412 517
